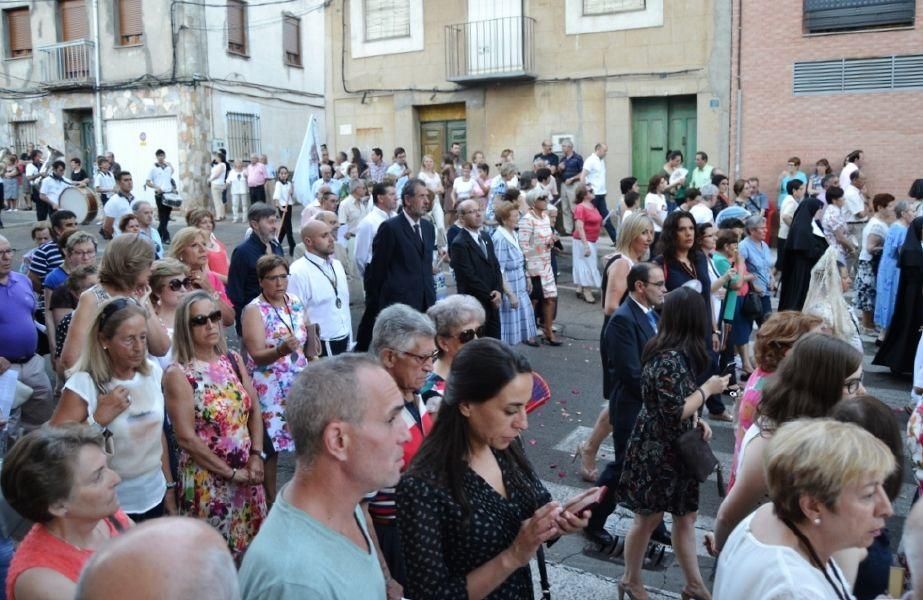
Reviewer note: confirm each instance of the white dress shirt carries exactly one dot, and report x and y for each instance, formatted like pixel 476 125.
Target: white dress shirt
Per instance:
pixel 52 188
pixel 314 285
pixel 595 169
pixel 854 205
pixel 365 235
pixel 161 176
pixel 105 181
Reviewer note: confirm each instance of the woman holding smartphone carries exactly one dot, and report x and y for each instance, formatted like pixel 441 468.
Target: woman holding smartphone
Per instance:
pixel 472 510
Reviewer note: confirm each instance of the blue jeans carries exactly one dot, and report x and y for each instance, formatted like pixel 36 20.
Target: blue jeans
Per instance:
pixel 600 203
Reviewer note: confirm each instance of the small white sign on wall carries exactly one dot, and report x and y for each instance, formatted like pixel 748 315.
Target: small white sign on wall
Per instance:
pixel 560 138
pixel 346 129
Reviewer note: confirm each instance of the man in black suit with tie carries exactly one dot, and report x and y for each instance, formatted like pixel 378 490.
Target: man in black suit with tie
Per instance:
pixel 629 329
pixel 401 270
pixel 477 270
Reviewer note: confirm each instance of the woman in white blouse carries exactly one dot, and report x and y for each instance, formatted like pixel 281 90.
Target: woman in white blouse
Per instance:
pixel 655 203
pixel 282 196
pixel 825 482
pixel 216 182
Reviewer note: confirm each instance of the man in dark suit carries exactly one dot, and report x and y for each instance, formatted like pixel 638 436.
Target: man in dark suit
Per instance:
pixel 629 329
pixel 401 270
pixel 477 270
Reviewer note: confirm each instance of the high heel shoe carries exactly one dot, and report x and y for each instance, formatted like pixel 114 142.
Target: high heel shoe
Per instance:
pixel 588 475
pixel 625 590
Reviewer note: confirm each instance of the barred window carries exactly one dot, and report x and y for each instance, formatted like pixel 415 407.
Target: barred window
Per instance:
pixel 243 131
pixel 605 7
pixel 386 19
pixel 23 135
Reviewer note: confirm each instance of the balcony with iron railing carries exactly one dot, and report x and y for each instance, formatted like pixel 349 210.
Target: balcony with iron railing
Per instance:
pixel 66 64
pixel 488 51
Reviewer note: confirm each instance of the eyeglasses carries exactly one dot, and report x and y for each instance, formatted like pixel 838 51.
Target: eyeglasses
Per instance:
pixel 7 252
pixel 421 359
pixel 277 278
pixel 84 253
pixel 659 284
pixel 852 385
pixel 469 334
pixel 199 320
pixel 178 284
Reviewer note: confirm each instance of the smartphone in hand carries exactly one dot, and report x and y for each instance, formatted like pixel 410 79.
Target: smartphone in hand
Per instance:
pixel 585 500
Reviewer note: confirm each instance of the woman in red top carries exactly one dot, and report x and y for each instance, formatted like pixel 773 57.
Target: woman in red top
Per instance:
pixel 587 223
pixel 59 478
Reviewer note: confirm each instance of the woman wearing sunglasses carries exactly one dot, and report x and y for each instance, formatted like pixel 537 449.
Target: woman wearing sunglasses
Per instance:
pixel 275 329
pixel 458 320
pixel 169 283
pixel 190 247
pixel 115 388
pixel 218 426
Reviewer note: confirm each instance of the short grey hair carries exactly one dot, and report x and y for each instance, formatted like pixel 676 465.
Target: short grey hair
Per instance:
pixel 397 327
pixel 754 222
pixel 451 313
pixel 900 208
pixel 507 169
pixel 137 204
pixel 709 191
pixel 78 237
pixel 325 391
pixel 355 184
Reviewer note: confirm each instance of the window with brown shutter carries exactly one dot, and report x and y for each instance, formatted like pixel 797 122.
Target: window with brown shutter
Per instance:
pixel 74 22
pixel 18 32
pixel 131 28
pixel 291 40
pixel 237 27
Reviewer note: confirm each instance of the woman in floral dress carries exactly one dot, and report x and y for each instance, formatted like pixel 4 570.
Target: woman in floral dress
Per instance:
pixel 517 318
pixel 274 333
pixel 217 424
pixel 536 239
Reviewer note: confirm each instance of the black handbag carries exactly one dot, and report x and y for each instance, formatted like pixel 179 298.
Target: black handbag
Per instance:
pixel 751 308
pixel 697 456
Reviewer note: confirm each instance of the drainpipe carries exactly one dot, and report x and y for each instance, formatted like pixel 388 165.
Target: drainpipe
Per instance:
pixel 98 121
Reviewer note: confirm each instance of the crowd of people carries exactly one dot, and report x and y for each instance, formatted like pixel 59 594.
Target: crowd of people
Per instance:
pixel 411 478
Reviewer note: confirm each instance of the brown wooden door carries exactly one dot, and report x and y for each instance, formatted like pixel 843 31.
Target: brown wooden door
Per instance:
pixel 74 26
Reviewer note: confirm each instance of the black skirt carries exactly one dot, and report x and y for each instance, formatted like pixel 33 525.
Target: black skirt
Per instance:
pixel 900 344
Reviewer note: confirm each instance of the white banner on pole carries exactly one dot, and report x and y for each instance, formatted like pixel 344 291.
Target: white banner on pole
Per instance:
pixel 307 167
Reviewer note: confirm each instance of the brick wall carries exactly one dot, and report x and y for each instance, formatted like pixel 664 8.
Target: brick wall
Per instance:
pixel 776 124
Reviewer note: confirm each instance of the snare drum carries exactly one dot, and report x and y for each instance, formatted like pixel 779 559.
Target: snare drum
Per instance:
pixel 172 199
pixel 80 201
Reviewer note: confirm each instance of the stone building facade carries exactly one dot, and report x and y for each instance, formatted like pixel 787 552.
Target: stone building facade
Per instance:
pixel 644 76
pixel 188 79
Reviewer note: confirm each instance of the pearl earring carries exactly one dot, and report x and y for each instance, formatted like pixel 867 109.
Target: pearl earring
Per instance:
pixel 817 521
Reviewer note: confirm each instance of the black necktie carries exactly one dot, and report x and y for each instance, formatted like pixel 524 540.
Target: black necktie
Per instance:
pixel 416 232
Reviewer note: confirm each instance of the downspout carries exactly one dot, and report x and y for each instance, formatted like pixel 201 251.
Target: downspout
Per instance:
pixel 98 121
pixel 738 135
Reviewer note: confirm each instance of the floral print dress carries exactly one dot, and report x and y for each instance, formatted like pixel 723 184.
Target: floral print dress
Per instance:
pixel 536 239
pixel 654 478
pixel 222 411
pixel 273 381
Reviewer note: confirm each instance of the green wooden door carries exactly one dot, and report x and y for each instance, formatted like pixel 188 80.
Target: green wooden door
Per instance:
pixel 457 131
pixel 436 137
pixel 659 125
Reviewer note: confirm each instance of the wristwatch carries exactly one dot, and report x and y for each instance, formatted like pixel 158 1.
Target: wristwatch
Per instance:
pixel 260 453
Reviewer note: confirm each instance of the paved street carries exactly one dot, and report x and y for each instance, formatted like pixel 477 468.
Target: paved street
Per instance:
pixel 573 371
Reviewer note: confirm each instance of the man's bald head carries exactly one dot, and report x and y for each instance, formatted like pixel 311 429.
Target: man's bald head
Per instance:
pixel 328 217
pixel 170 557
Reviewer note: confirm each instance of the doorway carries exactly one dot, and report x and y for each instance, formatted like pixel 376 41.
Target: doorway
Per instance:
pixel 79 139
pixel 441 126
pixel 659 125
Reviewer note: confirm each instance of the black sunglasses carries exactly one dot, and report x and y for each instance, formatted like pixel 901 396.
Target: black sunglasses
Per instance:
pixel 199 320
pixel 178 284
pixel 469 334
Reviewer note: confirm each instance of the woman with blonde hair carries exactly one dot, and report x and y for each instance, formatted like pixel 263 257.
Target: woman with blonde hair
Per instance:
pixel 825 481
pixel 218 260
pixel 218 426
pixel 632 246
pixel 169 284
pixel 115 388
pixel 189 247
pixel 433 181
pixel 124 272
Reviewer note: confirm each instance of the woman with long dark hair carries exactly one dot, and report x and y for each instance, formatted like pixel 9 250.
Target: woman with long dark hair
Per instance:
pixel 472 511
pixel 803 248
pixel 654 480
pixel 685 266
pixel 900 345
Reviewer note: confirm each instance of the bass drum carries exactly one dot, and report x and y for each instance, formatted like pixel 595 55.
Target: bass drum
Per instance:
pixel 80 201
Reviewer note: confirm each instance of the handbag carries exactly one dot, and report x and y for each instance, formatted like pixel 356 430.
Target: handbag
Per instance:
pixel 697 456
pixel 752 308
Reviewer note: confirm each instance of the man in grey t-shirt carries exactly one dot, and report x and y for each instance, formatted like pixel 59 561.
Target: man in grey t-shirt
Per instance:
pixel 344 415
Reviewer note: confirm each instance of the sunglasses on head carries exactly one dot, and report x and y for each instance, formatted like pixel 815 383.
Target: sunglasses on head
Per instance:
pixel 469 334
pixel 178 284
pixel 199 320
